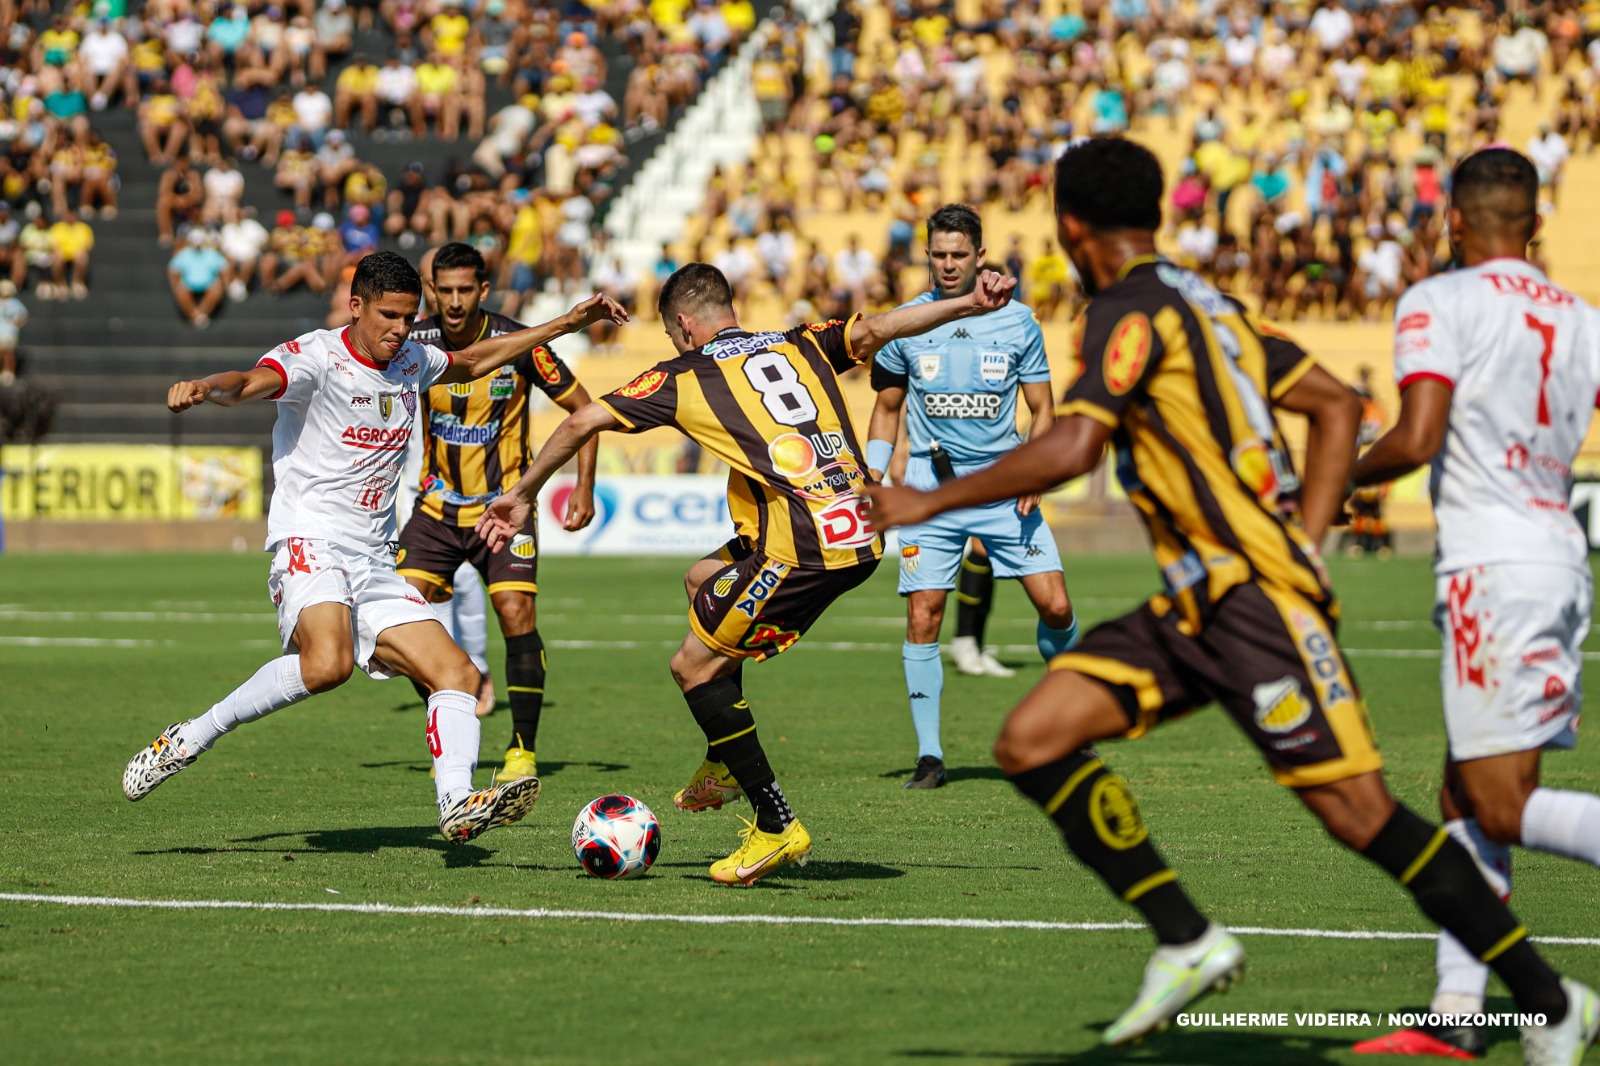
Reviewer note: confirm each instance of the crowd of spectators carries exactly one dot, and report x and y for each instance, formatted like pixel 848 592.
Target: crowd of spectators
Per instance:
pixel 1309 144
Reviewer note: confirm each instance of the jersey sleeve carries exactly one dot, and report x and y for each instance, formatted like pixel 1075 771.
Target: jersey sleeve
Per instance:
pixel 1117 353
pixel 1423 347
pixel 547 372
pixel 1032 366
pixel 435 362
pixel 832 338
pixel 299 371
pixel 648 401
pixel 889 369
pixel 1287 362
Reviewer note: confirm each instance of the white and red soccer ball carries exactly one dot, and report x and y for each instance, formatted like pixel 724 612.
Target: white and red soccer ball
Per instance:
pixel 616 836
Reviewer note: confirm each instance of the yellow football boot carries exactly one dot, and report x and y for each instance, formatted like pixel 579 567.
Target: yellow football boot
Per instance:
pixel 761 853
pixel 519 763
pixel 710 787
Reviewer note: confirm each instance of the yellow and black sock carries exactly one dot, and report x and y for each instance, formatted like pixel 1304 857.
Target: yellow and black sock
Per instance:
pixel 1100 822
pixel 1448 888
pixel 974 596
pixel 525 666
pixel 723 715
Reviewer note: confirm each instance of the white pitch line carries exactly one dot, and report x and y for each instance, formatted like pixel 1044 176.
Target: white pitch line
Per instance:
pixel 547 913
pixel 83 642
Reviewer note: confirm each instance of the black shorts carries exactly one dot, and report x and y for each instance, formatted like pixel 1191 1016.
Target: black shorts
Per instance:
pixel 756 607
pixel 1267 655
pixel 431 551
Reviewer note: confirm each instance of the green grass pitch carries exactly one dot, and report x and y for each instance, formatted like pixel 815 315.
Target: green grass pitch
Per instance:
pixel 330 802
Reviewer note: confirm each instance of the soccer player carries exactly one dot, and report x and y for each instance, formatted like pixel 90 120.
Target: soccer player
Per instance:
pixel 1498 369
pixel 1181 382
pixel 476 444
pixel 347 402
pixel 769 406
pixel 962 381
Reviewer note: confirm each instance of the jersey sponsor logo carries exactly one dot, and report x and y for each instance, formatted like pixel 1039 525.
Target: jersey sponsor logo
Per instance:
pixel 1466 631
pixel 503 385
pixel 964 405
pixel 766 581
pixel 435 744
pixel 1321 657
pixel 1538 291
pixel 299 557
pixel 374 492
pixel 523 546
pixel 361 402
pixel 1127 352
pixel 452 430
pixel 1414 321
pixel 643 385
pixel 910 558
pixel 792 455
pixel 1281 706
pixel 961 334
pixel 289 347
pixel 736 346
pixel 993 367
pixel 844 523
pixel 1114 814
pixel 1517 457
pixel 544 361
pixel 928 365
pixel 376 438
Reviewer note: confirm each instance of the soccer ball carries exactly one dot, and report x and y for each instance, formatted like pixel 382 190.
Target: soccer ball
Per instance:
pixel 616 836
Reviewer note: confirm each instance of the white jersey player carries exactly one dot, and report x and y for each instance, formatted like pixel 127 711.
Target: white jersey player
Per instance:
pixel 347 402
pixel 1498 370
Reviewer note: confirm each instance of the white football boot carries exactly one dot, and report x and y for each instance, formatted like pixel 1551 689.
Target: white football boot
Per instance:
pixel 164 756
pixel 1175 977
pixel 1564 1043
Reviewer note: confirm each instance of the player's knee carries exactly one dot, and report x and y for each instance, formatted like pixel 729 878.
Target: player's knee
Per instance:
pixel 322 669
pixel 1352 810
pixel 924 616
pixel 1032 737
pixel 1502 821
pixel 1056 612
pixel 515 613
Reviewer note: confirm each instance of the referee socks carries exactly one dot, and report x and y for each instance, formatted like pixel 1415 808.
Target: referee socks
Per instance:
pixel 924 687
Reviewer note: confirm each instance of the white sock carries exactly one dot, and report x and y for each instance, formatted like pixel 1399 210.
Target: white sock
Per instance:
pixel 469 625
pixel 1462 978
pixel 274 687
pixel 1563 823
pixel 453 742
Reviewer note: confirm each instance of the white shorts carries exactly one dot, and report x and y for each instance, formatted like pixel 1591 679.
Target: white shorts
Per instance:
pixel 1512 669
pixel 307 572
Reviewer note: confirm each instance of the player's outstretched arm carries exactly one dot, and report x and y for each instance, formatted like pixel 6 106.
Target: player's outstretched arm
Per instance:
pixel 1414 440
pixel 1333 417
pixel 1070 449
pixel 882 429
pixel 1042 409
pixel 580 505
pixel 490 354
pixel 872 332
pixel 227 389
pixel 506 516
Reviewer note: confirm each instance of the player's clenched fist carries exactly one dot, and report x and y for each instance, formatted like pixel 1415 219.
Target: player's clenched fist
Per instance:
pixel 187 394
pixel 993 290
pixel 891 506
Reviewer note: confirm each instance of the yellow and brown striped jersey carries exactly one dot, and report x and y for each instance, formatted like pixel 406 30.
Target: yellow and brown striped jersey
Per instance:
pixel 1187 382
pixel 769 406
pixel 476 439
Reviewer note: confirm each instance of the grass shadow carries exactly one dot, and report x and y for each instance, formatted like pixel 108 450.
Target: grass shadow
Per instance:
pixel 365 841
pixel 952 774
pixel 546 769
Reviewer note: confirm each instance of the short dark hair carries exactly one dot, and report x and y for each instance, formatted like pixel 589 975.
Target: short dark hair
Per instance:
pixel 1497 189
pixel 458 256
pixel 1109 183
pixel 957 218
pixel 696 285
pixel 383 272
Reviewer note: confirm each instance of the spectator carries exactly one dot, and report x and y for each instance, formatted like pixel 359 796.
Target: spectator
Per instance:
pixel 359 233
pixel 198 277
pixel 71 241
pixel 1049 281
pixel 99 176
pixel 223 186
pixel 13 316
pixel 1332 25
pixel 243 241
pixel 313 114
pixel 1549 152
pixel 103 61
pixel 291 259
pixel 854 267
pixel 179 196
pixel 335 161
pixel 36 256
pixel 397 92
pixel 10 254
pixel 356 91
pixel 437 85
pixel 335 31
